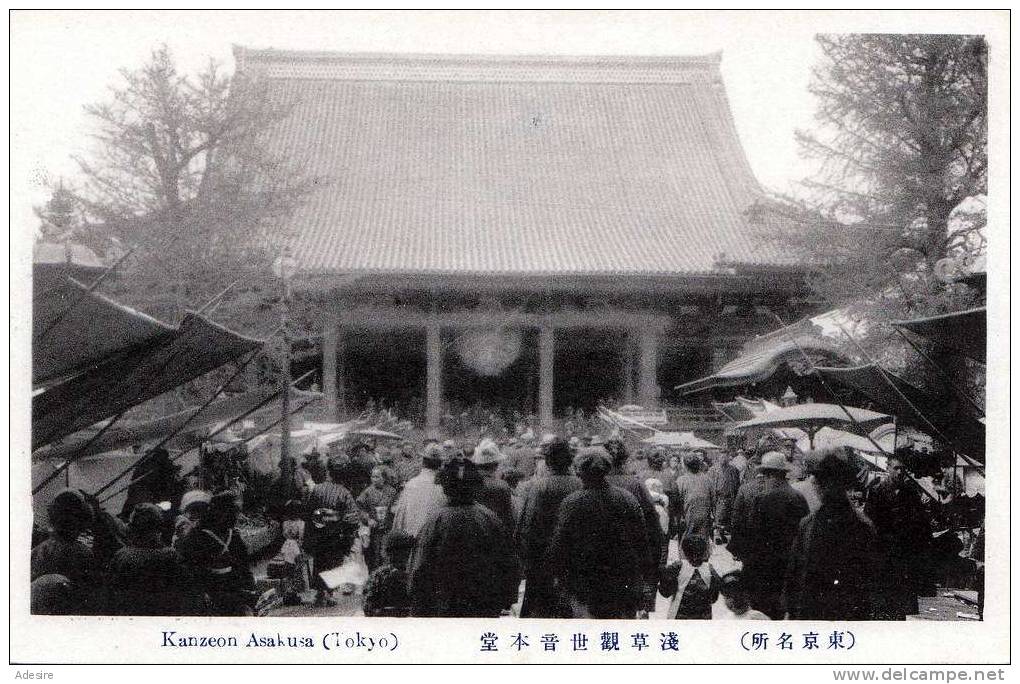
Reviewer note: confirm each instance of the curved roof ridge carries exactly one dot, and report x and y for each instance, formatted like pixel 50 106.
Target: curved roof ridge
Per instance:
pixel 327 65
pixel 244 52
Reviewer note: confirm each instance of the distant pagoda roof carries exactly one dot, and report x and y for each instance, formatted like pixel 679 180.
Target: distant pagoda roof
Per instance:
pixel 499 165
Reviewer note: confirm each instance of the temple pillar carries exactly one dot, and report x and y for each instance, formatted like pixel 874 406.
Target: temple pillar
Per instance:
pixel 546 355
pixel 627 379
pixel 648 386
pixel 433 380
pixel 329 367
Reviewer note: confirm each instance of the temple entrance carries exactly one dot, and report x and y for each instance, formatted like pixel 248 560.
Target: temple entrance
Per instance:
pixel 588 368
pixel 384 366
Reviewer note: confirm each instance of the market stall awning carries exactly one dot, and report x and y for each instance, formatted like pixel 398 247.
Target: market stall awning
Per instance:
pixel 761 364
pixel 960 426
pixel 153 364
pixel 74 329
pixel 962 331
pixel 190 420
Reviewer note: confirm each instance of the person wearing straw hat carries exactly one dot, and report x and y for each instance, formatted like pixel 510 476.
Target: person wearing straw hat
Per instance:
pixel 493 492
pixel 774 519
pixel 421 495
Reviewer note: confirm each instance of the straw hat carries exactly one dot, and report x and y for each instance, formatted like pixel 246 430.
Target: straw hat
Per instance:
pixel 774 461
pixel 486 453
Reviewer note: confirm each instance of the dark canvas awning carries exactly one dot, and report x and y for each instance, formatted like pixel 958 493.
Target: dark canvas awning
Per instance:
pixel 962 331
pixel 761 364
pixel 74 329
pixel 121 358
pixel 122 436
pixel 961 427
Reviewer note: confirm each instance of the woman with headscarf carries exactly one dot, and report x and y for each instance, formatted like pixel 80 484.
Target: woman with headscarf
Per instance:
pixel 599 548
pixel 464 564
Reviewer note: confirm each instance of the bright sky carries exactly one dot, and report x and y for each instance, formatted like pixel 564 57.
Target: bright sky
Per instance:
pixel 64 60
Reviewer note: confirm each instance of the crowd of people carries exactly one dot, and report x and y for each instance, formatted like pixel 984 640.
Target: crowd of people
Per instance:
pixel 452 530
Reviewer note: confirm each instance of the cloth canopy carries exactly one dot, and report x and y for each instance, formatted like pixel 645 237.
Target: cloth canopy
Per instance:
pixel 122 436
pixel 963 429
pixel 117 379
pixel 962 331
pixel 74 329
pixel 761 364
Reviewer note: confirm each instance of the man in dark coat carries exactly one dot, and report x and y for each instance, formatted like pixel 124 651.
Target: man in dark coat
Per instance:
pixel 775 517
pixel 741 537
pixel 538 519
pixel 904 540
pixel 618 477
pixel 599 549
pixel 725 479
pixel 493 492
pixel 831 570
pixel 464 564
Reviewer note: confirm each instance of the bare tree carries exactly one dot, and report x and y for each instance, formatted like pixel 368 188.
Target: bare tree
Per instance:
pixel 179 170
pixel 902 148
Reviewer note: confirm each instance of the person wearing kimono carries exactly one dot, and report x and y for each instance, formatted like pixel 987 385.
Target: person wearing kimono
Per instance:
pixel 695 499
pixel 464 563
pixel 692 582
pixel 218 558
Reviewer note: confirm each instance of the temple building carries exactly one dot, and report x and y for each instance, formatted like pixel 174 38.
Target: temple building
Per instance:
pixel 530 233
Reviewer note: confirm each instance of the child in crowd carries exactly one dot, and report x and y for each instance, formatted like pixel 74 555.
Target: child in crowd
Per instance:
pixel 291 564
pixel 386 592
pixel 737 599
pixel 692 582
pixel 661 503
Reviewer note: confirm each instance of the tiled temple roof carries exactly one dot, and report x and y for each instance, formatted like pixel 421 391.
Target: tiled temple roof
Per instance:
pixel 514 165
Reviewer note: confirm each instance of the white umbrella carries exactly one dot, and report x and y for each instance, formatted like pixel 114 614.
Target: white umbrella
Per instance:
pixel 813 417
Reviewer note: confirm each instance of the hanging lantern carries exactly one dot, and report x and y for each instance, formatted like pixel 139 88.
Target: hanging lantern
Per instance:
pixel 489 352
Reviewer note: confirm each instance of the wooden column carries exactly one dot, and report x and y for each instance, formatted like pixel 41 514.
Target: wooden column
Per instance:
pixel 329 363
pixel 546 377
pixel 648 386
pixel 433 380
pixel 627 379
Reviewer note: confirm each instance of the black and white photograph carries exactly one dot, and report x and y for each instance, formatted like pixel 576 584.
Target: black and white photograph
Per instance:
pixel 671 325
